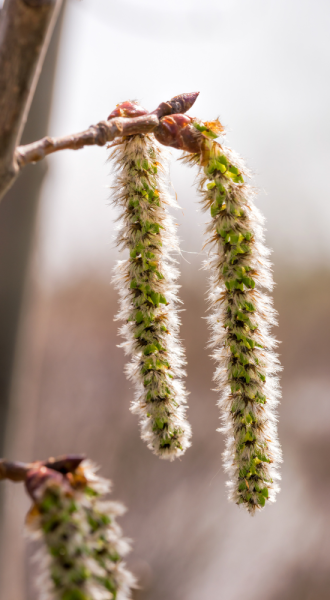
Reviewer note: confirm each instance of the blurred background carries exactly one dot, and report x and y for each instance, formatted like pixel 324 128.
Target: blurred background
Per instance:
pixel 263 68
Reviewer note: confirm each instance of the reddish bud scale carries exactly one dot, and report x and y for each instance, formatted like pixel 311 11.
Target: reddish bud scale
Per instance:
pixel 39 479
pixel 65 464
pixel 128 109
pixel 178 132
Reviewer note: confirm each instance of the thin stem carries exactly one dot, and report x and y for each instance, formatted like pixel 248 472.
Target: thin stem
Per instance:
pixel 15 471
pixel 96 135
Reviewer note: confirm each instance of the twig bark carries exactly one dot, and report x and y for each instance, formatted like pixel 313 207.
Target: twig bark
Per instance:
pixel 25 30
pixel 100 134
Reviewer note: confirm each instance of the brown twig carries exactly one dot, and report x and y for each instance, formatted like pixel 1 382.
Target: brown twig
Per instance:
pixel 98 135
pixel 25 30
pixel 17 471
pixel 105 131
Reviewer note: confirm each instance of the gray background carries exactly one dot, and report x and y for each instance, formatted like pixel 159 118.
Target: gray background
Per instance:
pixel 263 68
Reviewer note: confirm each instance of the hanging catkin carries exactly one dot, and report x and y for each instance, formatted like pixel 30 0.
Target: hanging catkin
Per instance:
pixel 81 556
pixel 241 317
pixel 148 293
pixel 241 311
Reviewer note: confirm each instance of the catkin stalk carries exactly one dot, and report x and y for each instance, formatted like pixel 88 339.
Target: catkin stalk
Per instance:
pixel 148 295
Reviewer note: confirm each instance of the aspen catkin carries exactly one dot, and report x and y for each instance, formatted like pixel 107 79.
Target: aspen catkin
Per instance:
pixel 82 553
pixel 148 295
pixel 241 317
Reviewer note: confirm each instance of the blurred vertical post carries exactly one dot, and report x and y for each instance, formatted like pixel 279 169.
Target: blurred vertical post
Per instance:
pixel 18 212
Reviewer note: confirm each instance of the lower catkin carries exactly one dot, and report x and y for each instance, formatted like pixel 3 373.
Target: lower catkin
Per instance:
pixel 82 551
pixel 148 295
pixel 240 319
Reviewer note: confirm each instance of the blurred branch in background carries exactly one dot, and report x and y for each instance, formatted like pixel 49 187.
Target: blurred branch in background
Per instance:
pixel 17 220
pixel 25 30
pixel 18 212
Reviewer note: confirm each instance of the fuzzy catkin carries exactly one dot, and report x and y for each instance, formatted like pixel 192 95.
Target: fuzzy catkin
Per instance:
pixel 148 295
pixel 240 320
pixel 82 551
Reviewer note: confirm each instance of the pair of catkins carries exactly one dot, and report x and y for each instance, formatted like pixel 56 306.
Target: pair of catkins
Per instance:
pixel 241 312
pixel 82 557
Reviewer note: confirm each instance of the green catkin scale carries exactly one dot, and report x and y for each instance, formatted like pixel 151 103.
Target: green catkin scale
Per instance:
pixel 81 556
pixel 240 320
pixel 148 294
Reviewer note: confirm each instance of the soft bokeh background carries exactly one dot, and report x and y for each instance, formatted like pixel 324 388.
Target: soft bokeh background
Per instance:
pixel 263 67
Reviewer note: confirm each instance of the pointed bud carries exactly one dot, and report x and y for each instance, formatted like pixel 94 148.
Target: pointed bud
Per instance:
pixel 177 105
pixel 183 102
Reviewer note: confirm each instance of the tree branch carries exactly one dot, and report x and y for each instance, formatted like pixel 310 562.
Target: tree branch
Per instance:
pixel 25 30
pixel 17 471
pixel 100 134
pixel 105 131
